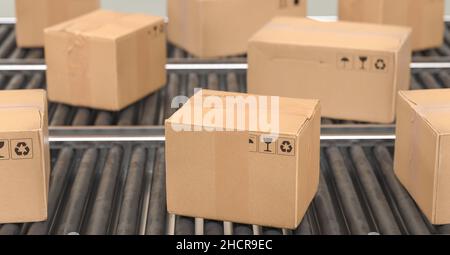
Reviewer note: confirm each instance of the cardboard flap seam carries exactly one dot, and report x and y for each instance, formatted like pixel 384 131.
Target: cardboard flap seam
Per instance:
pixel 436 177
pixel 395 81
pixel 68 28
pixel 38 110
pixel 277 27
pixel 310 45
pixel 307 122
pixel 421 110
pixel 204 127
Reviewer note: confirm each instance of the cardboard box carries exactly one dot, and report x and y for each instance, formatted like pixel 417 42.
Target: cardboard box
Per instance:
pixel 33 16
pixel 24 156
pixel 218 28
pixel 425 17
pixel 422 150
pixel 222 170
pixel 354 69
pixel 105 59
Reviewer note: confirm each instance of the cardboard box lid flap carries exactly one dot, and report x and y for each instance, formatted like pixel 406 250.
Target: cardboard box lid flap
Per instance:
pixel 24 98
pixel 293 106
pixel 433 106
pixel 20 119
pixel 293 113
pixel 437 117
pixel 106 24
pixel 306 32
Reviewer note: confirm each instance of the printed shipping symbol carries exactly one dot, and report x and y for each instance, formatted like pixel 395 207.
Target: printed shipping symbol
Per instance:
pixel 286 147
pixel 22 149
pixel 2 144
pixel 268 142
pixel 363 60
pixel 345 61
pixel 380 64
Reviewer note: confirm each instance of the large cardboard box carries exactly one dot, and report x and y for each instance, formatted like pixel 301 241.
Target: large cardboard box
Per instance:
pixel 422 150
pixel 354 69
pixel 105 59
pixel 218 28
pixel 33 16
pixel 24 156
pixel 244 173
pixel 425 17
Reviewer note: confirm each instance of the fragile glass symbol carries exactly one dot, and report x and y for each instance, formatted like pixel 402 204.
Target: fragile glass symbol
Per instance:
pixel 363 60
pixel 268 141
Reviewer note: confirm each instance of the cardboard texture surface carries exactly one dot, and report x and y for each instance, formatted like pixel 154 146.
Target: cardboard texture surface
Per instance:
pixel 425 17
pixel 105 60
pixel 422 156
pixel 24 156
pixel 233 175
pixel 217 28
pixel 354 69
pixel 33 16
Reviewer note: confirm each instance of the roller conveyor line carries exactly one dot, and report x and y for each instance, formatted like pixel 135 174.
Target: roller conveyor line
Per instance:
pixel 9 53
pixel 92 192
pixel 152 109
pixel 179 83
pixel 119 188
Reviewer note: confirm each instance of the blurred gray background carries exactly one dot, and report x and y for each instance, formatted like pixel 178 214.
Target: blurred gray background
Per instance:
pixel 158 7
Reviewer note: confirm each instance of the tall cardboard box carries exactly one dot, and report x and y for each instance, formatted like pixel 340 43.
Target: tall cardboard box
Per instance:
pixel 422 150
pixel 24 156
pixel 33 16
pixel 218 28
pixel 221 170
pixel 425 17
pixel 105 60
pixel 354 69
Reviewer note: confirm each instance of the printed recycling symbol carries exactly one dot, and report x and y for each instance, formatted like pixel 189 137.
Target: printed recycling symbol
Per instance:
pixel 380 64
pixel 286 147
pixel 22 149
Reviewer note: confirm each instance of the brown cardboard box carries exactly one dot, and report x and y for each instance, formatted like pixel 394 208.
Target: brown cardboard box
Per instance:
pixel 24 156
pixel 354 69
pixel 422 150
pixel 426 17
pixel 217 28
pixel 105 59
pixel 33 16
pixel 223 171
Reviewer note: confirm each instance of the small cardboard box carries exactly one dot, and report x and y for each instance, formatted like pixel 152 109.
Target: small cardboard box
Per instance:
pixel 354 69
pixel 422 150
pixel 224 171
pixel 33 16
pixel 105 60
pixel 218 28
pixel 425 17
pixel 24 156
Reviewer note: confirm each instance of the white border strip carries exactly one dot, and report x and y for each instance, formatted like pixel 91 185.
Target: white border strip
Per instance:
pixel 209 67
pixel 12 20
pixel 425 65
pixel 199 67
pixel 7 20
pixel 356 137
pixel 23 67
pixel 54 139
pixel 169 67
pixel 157 139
